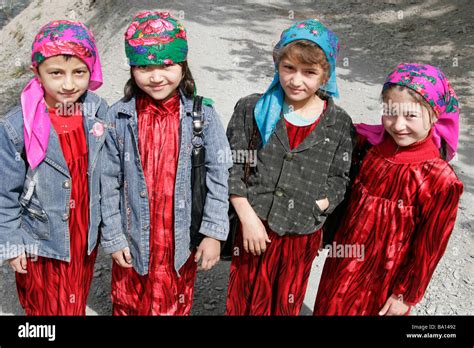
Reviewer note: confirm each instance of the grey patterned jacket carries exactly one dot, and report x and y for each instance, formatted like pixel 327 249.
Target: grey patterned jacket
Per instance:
pixel 284 184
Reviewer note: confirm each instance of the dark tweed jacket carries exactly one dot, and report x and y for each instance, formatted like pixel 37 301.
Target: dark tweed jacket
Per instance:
pixel 285 184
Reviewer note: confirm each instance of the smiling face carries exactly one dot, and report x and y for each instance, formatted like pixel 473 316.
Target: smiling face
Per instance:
pixel 64 79
pixel 405 118
pixel 158 81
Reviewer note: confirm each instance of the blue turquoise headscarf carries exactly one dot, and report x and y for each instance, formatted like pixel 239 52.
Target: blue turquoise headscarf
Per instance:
pixel 269 106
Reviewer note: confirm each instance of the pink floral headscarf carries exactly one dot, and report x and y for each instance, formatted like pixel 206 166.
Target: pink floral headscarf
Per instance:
pixel 431 84
pixel 55 38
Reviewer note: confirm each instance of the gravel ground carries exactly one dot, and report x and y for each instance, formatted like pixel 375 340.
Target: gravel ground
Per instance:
pixel 230 56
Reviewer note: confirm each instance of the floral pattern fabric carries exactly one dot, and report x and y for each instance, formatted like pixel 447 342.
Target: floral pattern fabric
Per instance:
pixel 155 38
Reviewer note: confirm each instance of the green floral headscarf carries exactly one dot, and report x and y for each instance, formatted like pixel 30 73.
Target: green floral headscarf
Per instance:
pixel 155 38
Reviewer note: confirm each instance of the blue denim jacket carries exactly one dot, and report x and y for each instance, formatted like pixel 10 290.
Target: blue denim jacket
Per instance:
pixel 35 204
pixel 125 209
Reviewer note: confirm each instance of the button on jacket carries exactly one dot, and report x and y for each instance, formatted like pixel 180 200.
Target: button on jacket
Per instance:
pixel 285 184
pixel 34 204
pixel 125 208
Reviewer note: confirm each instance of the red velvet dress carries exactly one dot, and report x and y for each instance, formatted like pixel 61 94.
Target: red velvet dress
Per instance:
pixel 161 291
pixel 54 287
pixel 402 211
pixel 273 283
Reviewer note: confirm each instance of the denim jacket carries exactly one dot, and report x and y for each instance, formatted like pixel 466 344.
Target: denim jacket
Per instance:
pixel 35 203
pixel 125 208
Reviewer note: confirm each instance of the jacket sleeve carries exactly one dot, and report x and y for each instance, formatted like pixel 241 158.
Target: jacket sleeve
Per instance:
pixel 113 237
pixel 338 176
pixel 218 161
pixel 238 133
pixel 438 216
pixel 12 173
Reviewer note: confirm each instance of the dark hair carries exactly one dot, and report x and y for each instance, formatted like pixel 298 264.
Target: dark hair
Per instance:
pixel 67 57
pixel 305 52
pixel 187 85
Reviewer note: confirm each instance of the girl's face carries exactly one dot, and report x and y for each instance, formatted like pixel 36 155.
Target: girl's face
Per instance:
pixel 404 118
pixel 299 81
pixel 64 80
pixel 158 81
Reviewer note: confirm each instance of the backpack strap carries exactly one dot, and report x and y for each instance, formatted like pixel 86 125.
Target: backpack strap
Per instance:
pixel 198 120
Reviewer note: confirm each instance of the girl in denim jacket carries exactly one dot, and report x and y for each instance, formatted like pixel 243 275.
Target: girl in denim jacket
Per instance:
pixel 49 150
pixel 146 186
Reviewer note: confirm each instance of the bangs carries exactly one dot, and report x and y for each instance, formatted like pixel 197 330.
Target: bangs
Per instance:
pixel 304 52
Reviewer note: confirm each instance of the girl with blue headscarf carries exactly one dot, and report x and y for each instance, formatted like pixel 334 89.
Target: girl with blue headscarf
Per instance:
pixel 303 146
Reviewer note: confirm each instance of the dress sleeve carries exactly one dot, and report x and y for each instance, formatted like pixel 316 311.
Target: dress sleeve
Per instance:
pixel 437 220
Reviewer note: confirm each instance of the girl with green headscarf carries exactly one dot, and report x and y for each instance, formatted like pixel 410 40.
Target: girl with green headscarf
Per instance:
pixel 147 181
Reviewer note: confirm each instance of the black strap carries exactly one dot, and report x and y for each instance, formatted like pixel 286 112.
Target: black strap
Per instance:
pixel 198 120
pixel 198 175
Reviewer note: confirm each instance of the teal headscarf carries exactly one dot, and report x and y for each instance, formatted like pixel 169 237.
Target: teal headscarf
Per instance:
pixel 269 106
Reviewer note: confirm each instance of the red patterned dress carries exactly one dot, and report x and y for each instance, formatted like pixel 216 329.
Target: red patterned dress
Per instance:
pixel 274 283
pixel 54 287
pixel 161 291
pixel 402 211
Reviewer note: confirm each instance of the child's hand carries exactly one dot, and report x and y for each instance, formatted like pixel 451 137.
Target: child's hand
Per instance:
pixel 395 306
pixel 19 263
pixel 210 250
pixel 254 233
pixel 123 257
pixel 255 237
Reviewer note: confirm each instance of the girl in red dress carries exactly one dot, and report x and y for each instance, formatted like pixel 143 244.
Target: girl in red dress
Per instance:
pixel 62 138
pixel 403 203
pixel 52 287
pixel 301 174
pixel 148 233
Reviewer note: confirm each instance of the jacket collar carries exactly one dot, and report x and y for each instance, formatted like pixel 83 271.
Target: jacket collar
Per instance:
pixel 328 119
pixel 54 155
pixel 129 108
